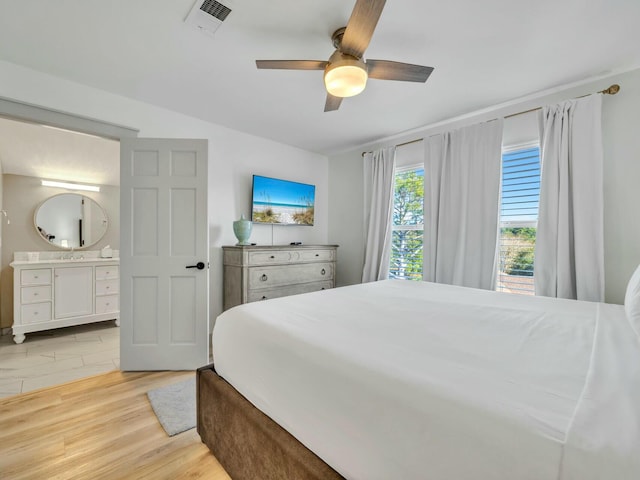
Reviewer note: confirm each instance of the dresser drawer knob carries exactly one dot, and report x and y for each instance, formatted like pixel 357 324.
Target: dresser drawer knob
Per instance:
pixel 264 277
pixel 317 254
pixel 264 297
pixel 272 256
pixel 35 294
pixel 35 313
pixel 323 271
pixel 36 276
pixel 322 288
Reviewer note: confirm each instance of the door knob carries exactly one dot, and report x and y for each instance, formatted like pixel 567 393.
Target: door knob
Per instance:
pixel 199 266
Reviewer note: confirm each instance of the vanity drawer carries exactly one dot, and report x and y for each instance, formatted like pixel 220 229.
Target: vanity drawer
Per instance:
pixel 107 304
pixel 267 277
pixel 40 276
pixel 36 312
pixel 258 295
pixel 107 287
pixel 107 272
pixel 35 294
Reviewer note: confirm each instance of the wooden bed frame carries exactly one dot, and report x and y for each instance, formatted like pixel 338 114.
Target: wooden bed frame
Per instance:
pixel 248 444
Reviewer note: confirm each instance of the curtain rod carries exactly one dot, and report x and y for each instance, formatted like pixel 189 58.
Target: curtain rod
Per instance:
pixel 403 144
pixel 612 90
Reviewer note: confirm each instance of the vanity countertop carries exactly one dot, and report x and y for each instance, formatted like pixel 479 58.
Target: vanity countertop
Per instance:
pixel 88 257
pixel 65 261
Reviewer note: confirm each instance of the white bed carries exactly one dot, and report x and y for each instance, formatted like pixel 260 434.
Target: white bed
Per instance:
pixel 413 380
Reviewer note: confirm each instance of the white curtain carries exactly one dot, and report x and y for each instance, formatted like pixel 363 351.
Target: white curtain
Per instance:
pixel 379 176
pixel 569 253
pixel 462 185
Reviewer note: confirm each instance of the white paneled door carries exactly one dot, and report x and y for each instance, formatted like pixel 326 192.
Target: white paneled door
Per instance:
pixel 164 254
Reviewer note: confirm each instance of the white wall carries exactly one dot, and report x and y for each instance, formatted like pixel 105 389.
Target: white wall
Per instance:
pixel 621 118
pixel 233 157
pixel 346 225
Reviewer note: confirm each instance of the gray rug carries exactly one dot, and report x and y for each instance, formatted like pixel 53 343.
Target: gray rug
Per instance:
pixel 175 406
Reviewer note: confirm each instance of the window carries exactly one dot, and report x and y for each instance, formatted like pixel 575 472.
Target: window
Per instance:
pixel 408 228
pixel 518 219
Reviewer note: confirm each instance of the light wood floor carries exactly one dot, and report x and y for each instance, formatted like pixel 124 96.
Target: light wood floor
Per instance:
pixel 100 427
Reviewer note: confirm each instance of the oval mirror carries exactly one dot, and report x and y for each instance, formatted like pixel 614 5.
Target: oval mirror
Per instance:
pixel 70 220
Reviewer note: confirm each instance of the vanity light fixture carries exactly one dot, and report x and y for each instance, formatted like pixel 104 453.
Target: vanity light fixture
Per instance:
pixel 70 186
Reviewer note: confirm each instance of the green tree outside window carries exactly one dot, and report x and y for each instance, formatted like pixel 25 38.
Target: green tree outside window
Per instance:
pixel 408 225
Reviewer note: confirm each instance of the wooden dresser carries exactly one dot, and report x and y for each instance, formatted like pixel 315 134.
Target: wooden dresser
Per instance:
pixel 258 272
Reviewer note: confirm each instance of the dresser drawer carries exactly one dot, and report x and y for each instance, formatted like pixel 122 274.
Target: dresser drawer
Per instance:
pixel 107 287
pixel 272 257
pixel 258 295
pixel 107 304
pixel 316 255
pixel 290 256
pixel 36 312
pixel 35 294
pixel 107 272
pixel 268 277
pixel 40 276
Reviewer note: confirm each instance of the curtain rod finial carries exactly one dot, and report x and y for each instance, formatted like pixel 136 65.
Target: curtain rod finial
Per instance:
pixel 612 90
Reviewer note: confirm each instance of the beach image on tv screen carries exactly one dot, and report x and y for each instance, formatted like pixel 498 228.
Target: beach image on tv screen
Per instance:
pixel 283 202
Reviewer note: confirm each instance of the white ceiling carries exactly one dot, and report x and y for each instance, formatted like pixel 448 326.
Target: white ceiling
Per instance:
pixel 484 53
pixel 54 154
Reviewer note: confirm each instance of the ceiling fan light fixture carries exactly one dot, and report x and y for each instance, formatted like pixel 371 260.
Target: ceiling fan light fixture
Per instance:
pixel 345 76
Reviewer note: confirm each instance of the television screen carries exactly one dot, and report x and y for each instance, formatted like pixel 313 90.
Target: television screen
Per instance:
pixel 282 202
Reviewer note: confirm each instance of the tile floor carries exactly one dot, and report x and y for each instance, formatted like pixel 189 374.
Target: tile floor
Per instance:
pixel 58 356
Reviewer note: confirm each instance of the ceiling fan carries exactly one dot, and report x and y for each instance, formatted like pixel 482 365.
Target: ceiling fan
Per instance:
pixel 346 72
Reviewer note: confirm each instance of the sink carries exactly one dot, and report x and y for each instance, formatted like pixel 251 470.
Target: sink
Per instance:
pixel 43 261
pixel 57 260
pixel 71 260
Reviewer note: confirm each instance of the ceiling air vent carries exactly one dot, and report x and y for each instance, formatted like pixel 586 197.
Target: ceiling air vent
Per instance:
pixel 208 15
pixel 216 9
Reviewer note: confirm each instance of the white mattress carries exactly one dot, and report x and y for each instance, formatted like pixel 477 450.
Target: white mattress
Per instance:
pixel 413 380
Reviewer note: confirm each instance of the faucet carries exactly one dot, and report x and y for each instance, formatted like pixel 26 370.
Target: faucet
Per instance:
pixel 70 256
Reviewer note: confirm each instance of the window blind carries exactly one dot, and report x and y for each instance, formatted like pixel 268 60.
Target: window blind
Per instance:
pixel 518 220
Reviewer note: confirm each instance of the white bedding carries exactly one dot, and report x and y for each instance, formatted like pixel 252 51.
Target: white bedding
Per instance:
pixel 413 380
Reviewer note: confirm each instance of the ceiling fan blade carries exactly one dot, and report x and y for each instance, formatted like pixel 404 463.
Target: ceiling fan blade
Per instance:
pixel 292 64
pixel 332 103
pixel 360 27
pixel 387 70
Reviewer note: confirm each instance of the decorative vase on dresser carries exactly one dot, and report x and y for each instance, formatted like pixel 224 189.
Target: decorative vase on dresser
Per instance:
pixel 242 230
pixel 261 272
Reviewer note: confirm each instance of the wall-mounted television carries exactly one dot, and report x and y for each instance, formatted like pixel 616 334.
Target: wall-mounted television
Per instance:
pixel 282 202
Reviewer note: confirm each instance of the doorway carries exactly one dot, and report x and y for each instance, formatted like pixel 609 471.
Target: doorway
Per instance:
pixel 78 351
